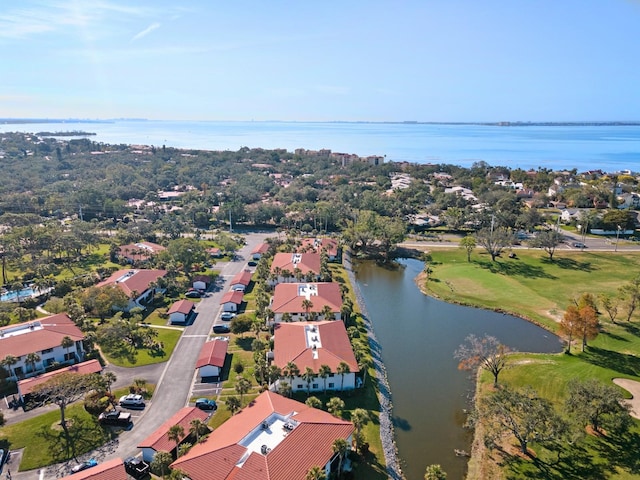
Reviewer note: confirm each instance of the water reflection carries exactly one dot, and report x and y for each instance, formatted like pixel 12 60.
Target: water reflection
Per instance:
pixel 418 336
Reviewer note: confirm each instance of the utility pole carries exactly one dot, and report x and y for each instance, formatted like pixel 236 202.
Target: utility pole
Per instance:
pixel 617 237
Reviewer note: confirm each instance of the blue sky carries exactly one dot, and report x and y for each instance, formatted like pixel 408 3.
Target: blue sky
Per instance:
pixel 425 60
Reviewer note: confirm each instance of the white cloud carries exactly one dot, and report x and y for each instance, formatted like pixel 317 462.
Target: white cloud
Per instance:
pixel 146 31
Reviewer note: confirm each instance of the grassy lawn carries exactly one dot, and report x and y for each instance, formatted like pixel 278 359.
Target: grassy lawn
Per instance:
pixel 534 288
pixel 169 337
pixel 39 449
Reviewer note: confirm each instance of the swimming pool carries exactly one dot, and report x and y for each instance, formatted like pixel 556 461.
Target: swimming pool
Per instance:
pixel 13 296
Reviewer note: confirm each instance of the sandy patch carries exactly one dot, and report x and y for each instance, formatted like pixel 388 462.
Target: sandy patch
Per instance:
pixel 633 388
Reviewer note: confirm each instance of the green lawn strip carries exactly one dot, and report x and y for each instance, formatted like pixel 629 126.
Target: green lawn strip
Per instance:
pixel 543 288
pixel 534 288
pixel 169 337
pixel 37 453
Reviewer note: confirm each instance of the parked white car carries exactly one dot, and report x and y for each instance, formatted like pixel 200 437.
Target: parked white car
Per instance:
pixel 132 400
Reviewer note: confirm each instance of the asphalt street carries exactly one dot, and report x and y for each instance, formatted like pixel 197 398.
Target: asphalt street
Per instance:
pixel 175 379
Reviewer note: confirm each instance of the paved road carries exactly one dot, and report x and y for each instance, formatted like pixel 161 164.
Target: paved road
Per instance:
pixel 174 378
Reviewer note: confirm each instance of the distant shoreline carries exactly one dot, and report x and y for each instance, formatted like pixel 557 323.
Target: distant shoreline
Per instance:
pixel 612 123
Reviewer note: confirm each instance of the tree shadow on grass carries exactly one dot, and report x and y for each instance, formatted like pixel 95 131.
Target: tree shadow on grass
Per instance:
pixel 631 328
pixel 613 336
pixel 621 450
pixel 515 269
pixel 618 362
pixel 562 462
pixel 245 343
pixel 569 264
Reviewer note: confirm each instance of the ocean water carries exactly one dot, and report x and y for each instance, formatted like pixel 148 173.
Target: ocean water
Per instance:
pixel 610 148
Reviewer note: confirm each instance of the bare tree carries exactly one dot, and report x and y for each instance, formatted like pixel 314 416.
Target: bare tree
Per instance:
pixel 485 352
pixel 494 240
pixel 547 240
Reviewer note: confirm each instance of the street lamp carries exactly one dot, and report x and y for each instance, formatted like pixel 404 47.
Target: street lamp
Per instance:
pixel 617 237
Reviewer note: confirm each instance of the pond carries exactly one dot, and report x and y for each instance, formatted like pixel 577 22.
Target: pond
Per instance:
pixel 419 336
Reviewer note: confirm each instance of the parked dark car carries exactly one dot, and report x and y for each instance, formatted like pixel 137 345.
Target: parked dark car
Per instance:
pixel 115 417
pixel 221 329
pixel 206 404
pixel 136 467
pixel 3 458
pixel 193 294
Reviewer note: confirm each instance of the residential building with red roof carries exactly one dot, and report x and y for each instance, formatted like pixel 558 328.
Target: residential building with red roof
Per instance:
pixel 313 344
pixel 180 311
pixel 43 337
pixel 26 386
pixel 139 252
pixel 241 281
pixel 317 245
pixel 294 267
pixel 109 470
pixel 259 250
pixel 212 357
pixel 201 282
pixel 159 439
pixel 135 282
pixel 273 438
pixel 291 298
pixel 214 252
pixel 231 301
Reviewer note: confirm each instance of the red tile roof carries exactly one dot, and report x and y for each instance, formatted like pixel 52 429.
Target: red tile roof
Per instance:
pixel 48 332
pixel 288 297
pixel 132 280
pixel 308 262
pixel 319 244
pixel 140 251
pixel 261 248
pixel 109 470
pixel 182 306
pixel 242 278
pixel 308 444
pixel 213 353
pixel 233 297
pixel 290 345
pixel 159 441
pixel 202 278
pixel 27 385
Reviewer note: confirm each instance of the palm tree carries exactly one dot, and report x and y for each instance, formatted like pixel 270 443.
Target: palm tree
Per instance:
pixel 315 473
pixel 308 377
pixel 242 386
pixel 313 402
pixel 340 447
pixel 109 379
pixel 335 406
pixel 307 305
pixel 175 434
pixel 32 359
pixel 286 317
pixel 343 368
pixel 67 343
pixel 274 373
pixel 197 427
pixel 284 389
pixel 9 361
pixel 327 313
pixel 161 462
pixel 183 449
pixel 364 364
pixel 233 404
pixel 359 418
pixel 291 370
pixel 323 372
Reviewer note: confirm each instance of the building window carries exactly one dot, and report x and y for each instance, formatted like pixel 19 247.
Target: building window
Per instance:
pixel 299 386
pixel 314 386
pixel 331 385
pixel 47 350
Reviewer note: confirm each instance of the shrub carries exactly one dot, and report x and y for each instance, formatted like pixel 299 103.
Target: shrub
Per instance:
pixel 238 368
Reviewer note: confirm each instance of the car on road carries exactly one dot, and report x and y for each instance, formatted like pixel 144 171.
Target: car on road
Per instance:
pixel 579 245
pixel 227 315
pixel 136 467
pixel 115 417
pixel 221 329
pixel 131 400
pixel 84 465
pixel 252 263
pixel 206 404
